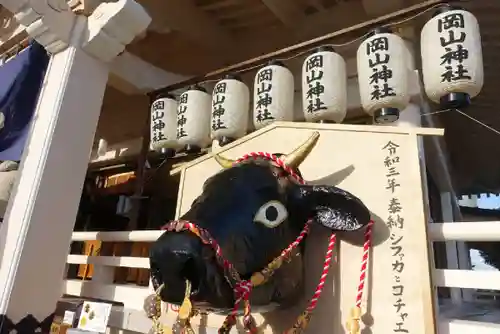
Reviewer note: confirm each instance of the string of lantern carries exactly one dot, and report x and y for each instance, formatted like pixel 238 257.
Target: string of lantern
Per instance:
pixel 452 70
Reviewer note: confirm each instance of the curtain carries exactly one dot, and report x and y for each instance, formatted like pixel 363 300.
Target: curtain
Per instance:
pixel 20 81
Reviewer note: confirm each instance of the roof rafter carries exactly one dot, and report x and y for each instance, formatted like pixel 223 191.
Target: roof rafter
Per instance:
pixel 185 17
pixel 287 11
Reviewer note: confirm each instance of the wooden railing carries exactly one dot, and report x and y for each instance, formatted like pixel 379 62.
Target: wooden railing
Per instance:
pixel 132 296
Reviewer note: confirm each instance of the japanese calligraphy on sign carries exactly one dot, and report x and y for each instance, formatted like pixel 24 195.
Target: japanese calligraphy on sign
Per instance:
pixel 379 58
pixel 314 71
pixel 218 110
pixel 264 98
pixel 451 28
pixel 181 116
pixel 158 121
pixel 395 222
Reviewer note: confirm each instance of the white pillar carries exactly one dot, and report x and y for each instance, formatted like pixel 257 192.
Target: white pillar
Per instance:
pixel 451 246
pixel 36 233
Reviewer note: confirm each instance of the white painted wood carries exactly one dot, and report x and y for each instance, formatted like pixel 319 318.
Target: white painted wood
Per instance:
pixel 103 274
pixel 451 246
pixel 470 231
pixel 110 261
pixel 133 236
pixel 131 296
pixel 469 279
pixel 135 320
pixel 40 217
pixel 453 326
pixel 141 76
pixel 112 26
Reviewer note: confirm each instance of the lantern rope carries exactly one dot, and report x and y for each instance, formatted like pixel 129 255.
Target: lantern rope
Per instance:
pixel 243 288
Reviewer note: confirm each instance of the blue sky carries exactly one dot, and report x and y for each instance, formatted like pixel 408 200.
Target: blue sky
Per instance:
pixel 492 202
pixel 484 202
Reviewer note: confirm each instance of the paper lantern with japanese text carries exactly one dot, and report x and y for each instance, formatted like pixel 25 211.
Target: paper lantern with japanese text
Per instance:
pixel 452 60
pixel 193 118
pixel 383 73
pixel 273 95
pixel 324 86
pixel 230 106
pixel 163 123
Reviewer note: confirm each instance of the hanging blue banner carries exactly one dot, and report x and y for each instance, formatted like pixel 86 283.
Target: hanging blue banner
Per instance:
pixel 20 82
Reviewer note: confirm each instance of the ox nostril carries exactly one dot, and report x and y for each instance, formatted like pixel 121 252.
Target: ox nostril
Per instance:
pixel 190 272
pixel 175 257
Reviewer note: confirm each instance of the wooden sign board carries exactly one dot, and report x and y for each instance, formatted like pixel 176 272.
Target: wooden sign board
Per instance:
pixel 381 166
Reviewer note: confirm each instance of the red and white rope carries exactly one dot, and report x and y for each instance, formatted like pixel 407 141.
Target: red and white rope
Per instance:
pixel 364 263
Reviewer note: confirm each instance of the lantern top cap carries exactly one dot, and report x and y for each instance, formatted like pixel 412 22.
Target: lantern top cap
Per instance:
pixel 445 8
pixel 324 48
pixel 276 62
pixel 198 88
pixel 233 76
pixel 163 95
pixel 379 30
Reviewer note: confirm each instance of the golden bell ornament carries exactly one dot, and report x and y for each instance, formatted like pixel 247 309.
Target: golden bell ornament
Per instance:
pixel 353 325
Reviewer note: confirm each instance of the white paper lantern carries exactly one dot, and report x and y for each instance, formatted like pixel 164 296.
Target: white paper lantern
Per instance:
pixel 383 75
pixel 324 86
pixel 193 118
pixel 273 95
pixel 230 106
pixel 163 123
pixel 452 58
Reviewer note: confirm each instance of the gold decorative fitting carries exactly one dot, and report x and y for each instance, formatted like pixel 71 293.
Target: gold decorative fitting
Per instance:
pixel 292 160
pixel 352 324
pixel 224 162
pixel 257 279
pixel 186 307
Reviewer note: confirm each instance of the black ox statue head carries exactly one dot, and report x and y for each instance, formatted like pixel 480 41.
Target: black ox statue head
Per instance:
pixel 254 211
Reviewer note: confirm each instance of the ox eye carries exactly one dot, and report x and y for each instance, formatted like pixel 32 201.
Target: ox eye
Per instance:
pixel 271 214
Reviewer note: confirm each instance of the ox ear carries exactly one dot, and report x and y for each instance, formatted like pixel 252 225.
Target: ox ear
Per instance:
pixel 334 208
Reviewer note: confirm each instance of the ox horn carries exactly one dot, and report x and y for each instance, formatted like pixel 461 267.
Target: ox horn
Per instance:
pixel 294 159
pixel 224 162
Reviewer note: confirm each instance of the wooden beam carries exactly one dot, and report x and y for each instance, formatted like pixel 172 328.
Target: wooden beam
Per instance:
pixel 185 17
pixel 132 75
pixel 286 11
pixel 376 7
pixel 362 27
pixel 317 4
pixel 340 16
pixel 220 4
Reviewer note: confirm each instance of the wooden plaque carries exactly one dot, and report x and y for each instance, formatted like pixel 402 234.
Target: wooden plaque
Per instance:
pixel 381 166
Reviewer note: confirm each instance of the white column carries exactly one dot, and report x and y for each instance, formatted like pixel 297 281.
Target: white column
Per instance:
pixel 36 233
